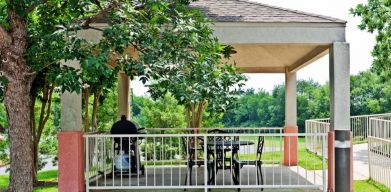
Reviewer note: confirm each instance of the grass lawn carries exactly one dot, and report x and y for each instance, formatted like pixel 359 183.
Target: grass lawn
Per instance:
pixel 307 160
pixel 48 176
pixel 369 186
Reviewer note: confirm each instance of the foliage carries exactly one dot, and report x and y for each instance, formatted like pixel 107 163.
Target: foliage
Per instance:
pixel 107 111
pixel 137 104
pixel 144 38
pixel 375 18
pixel 162 113
pixel 203 80
pixel 257 109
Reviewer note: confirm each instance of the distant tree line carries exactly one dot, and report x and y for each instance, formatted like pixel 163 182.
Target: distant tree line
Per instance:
pixel 258 108
pixel 369 95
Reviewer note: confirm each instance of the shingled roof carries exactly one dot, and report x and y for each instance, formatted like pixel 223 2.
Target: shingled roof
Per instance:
pixel 253 12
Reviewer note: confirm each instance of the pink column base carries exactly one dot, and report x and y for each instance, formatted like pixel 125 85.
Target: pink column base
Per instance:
pixel 70 162
pixel 331 161
pixel 290 146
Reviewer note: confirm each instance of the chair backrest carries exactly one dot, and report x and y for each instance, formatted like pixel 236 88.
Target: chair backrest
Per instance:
pixel 261 143
pixel 218 138
pixel 188 144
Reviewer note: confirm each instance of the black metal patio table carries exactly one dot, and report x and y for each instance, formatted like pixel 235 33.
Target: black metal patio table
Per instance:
pixel 218 149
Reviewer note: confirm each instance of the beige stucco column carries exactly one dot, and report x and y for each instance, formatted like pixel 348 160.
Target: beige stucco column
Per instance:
pixel 290 142
pixel 340 119
pixel 290 99
pixel 70 141
pixel 123 95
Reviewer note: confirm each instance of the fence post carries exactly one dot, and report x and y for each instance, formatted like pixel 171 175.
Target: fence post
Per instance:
pixel 331 162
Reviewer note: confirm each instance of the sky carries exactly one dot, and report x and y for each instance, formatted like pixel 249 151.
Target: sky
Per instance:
pixel 361 44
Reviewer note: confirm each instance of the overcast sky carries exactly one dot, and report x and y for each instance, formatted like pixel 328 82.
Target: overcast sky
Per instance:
pixel 361 44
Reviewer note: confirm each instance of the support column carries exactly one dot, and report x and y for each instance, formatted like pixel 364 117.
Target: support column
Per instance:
pixel 340 115
pixel 70 141
pixel 123 95
pixel 290 143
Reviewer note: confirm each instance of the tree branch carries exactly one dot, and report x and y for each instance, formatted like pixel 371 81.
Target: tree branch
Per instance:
pixel 87 21
pixel 34 5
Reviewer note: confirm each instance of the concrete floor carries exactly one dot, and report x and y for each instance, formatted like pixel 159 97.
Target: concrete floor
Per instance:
pixel 360 162
pixel 274 175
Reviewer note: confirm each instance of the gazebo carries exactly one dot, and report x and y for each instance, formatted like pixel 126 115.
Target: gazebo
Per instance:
pixel 267 39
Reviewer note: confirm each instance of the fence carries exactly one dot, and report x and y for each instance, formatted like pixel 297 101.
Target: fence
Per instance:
pixel 359 125
pixel 379 150
pixel 199 159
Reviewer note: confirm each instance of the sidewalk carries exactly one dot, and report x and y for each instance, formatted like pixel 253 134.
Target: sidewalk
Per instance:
pixel 360 162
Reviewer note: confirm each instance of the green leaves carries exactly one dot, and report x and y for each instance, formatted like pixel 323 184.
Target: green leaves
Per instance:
pixel 375 18
pixel 194 71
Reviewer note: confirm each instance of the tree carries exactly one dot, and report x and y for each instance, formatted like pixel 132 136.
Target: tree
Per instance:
pixel 160 31
pixel 162 113
pixel 203 80
pixel 375 18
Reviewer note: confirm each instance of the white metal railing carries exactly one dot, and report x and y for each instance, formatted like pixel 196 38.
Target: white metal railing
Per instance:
pixel 379 150
pixel 359 125
pixel 314 143
pixel 204 159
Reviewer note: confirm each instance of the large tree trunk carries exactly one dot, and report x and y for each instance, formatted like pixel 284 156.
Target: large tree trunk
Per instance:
pixel 17 101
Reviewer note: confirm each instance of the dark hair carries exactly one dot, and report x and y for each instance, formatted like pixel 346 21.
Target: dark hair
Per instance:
pixel 123 117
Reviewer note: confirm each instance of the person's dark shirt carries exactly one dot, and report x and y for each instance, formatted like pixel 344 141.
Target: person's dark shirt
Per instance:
pixel 124 127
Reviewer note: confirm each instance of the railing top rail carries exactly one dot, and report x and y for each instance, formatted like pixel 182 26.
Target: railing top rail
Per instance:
pixel 379 139
pixel 356 116
pixel 320 119
pixel 378 119
pixel 373 115
pixel 317 121
pixel 211 128
pixel 201 135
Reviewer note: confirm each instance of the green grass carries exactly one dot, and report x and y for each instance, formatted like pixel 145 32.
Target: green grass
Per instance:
pixel 49 176
pixel 369 186
pixel 307 160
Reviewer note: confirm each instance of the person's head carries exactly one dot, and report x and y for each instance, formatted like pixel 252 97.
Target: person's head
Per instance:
pixel 123 117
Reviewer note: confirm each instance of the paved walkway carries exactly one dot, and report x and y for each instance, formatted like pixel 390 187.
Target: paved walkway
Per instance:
pixel 360 162
pixel 49 166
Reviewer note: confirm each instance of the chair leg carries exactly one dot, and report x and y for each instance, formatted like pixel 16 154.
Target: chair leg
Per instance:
pixel 259 172
pixel 190 176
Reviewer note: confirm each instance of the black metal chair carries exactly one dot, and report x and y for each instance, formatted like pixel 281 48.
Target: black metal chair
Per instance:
pixel 238 164
pixel 218 149
pixel 190 149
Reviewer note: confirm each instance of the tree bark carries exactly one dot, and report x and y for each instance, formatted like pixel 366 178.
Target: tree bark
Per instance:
pixel 95 106
pixel 33 128
pixel 86 96
pixel 17 102
pixel 45 113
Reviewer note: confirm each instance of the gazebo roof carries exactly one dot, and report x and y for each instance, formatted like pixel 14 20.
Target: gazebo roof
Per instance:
pixel 253 12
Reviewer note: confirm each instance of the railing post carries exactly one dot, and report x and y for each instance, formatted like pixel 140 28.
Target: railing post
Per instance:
pixel 331 162
pixel 87 163
pixel 205 164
